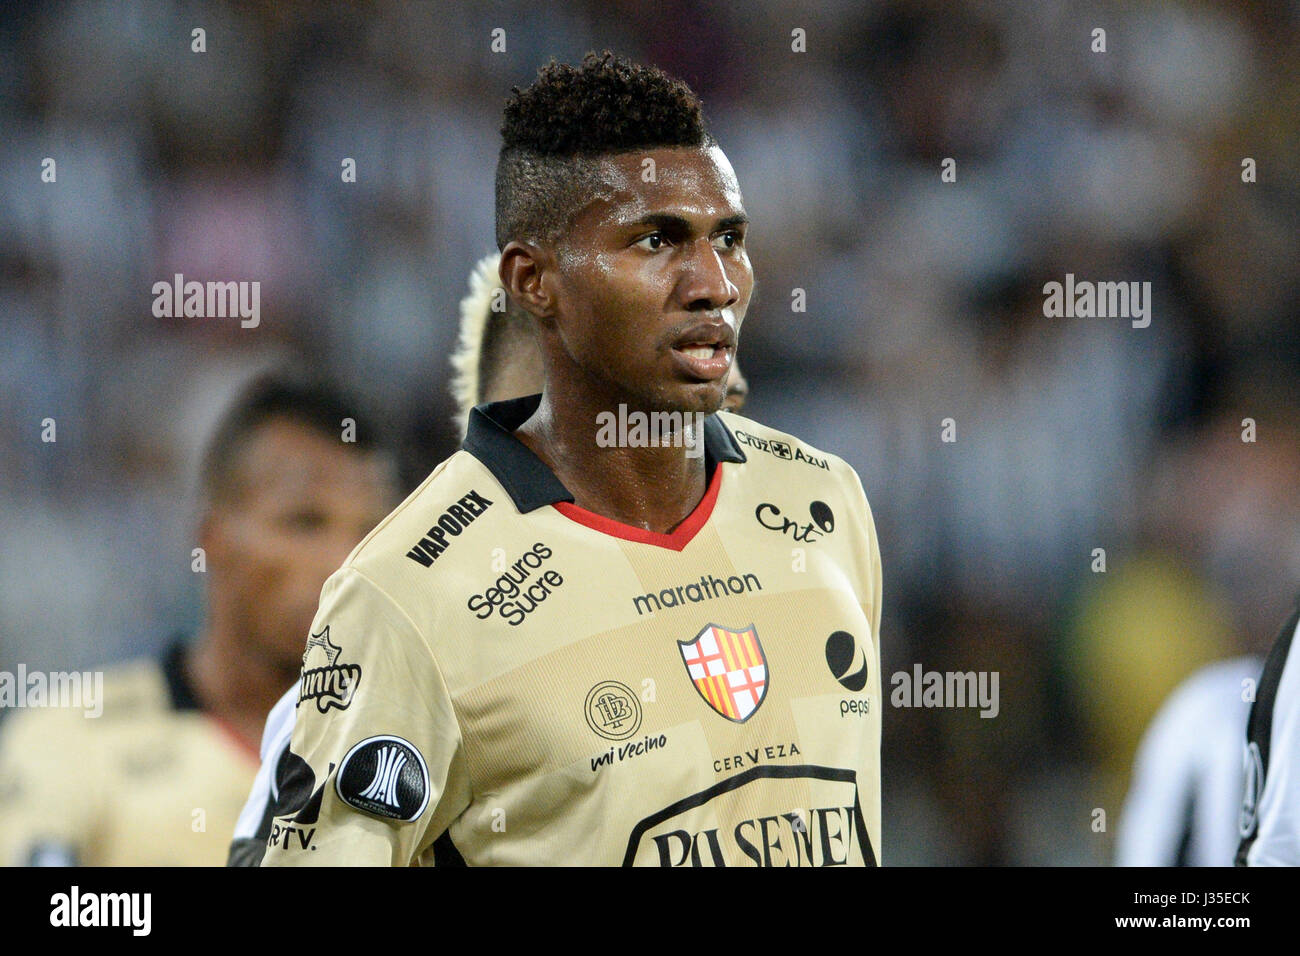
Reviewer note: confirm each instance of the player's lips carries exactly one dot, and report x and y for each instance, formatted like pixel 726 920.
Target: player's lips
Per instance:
pixel 705 351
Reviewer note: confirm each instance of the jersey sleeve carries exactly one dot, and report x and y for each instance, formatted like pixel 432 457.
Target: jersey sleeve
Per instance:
pixel 877 585
pixel 870 585
pixel 1270 817
pixel 49 790
pixel 375 771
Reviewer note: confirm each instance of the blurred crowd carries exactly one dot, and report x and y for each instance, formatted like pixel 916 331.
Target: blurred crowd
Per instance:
pixel 924 302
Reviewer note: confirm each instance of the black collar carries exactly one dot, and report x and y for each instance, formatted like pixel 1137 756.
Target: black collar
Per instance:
pixel 179 689
pixel 490 438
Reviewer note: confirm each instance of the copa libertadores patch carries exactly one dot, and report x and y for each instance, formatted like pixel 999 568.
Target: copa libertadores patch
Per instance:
pixel 385 776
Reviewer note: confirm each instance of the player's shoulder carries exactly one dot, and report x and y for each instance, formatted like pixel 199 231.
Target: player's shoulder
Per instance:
pixel 780 456
pixel 60 708
pixel 1215 690
pixel 443 510
pixel 1213 703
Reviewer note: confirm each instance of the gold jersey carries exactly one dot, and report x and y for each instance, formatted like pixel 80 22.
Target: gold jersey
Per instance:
pixel 497 676
pixel 150 781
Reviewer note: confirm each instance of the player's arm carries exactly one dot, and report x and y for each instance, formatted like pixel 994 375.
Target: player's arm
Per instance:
pixel 869 572
pixel 375 767
pixel 877 585
pixel 868 575
pixel 1270 818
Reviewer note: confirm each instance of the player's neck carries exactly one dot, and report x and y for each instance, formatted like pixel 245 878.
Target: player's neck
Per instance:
pixel 233 682
pixel 654 488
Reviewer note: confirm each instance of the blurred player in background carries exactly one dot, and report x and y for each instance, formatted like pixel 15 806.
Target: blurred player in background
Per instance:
pixel 160 776
pixel 1180 628
pixel 1183 802
pixel 497 358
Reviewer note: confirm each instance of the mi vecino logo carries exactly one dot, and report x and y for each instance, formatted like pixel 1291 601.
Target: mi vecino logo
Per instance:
pixel 612 710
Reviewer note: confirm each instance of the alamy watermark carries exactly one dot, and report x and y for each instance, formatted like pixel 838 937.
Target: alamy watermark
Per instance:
pixel 133 911
pixel 921 688
pixel 208 300
pixel 651 430
pixel 1098 300
pixel 70 689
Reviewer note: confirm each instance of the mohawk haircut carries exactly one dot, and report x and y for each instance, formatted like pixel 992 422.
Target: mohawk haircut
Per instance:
pixel 556 130
pixel 497 356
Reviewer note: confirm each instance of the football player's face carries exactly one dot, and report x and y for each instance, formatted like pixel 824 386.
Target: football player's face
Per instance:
pixel 303 502
pixel 654 280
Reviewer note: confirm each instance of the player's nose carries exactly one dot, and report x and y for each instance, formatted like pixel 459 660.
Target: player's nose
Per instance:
pixel 705 284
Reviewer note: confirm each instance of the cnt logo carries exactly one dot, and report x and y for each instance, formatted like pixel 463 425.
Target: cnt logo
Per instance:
pixel 822 523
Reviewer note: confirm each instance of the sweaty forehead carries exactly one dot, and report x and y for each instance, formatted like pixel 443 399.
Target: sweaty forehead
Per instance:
pixel 686 181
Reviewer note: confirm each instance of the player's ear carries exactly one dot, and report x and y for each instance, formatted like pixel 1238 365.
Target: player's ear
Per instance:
pixel 522 270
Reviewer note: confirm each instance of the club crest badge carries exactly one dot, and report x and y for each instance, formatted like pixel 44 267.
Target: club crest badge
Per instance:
pixel 728 669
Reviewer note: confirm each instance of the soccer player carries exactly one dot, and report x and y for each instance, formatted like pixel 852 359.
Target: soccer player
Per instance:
pixel 1270 813
pixel 616 627
pixel 1183 803
pixel 497 359
pixel 159 777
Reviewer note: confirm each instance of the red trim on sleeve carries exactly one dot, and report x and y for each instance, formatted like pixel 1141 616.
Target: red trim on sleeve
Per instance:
pixel 678 539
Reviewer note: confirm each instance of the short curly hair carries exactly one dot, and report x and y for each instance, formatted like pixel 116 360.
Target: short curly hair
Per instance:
pixel 555 131
pixel 305 400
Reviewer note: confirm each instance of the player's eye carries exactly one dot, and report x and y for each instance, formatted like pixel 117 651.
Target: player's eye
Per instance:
pixel 652 242
pixel 306 520
pixel 728 240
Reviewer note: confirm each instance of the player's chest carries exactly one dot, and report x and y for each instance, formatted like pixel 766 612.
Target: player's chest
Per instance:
pixel 715 673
